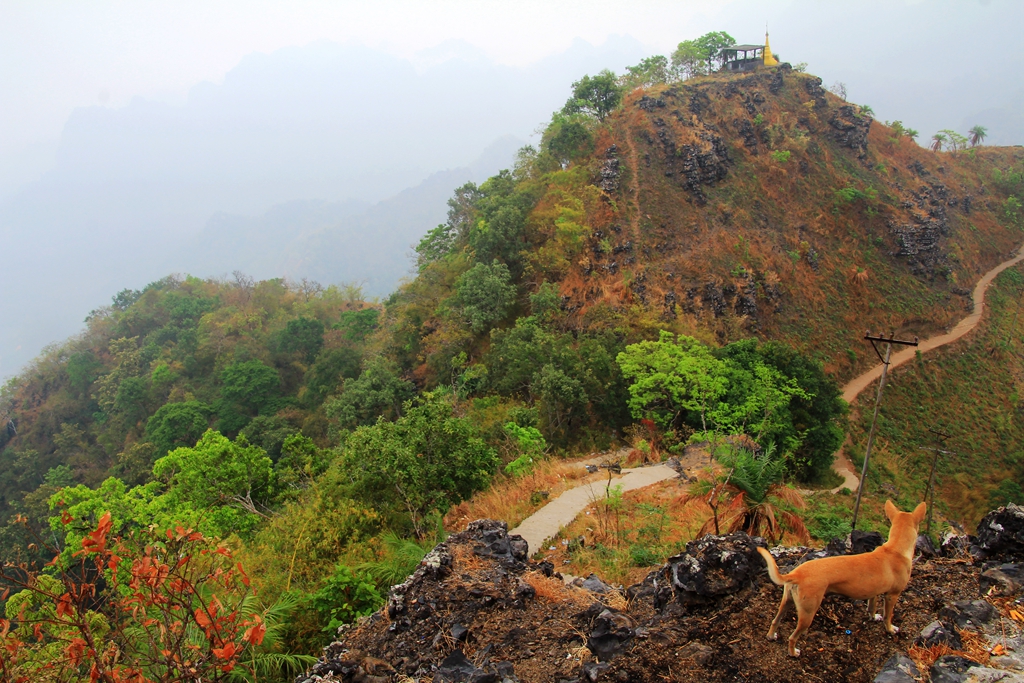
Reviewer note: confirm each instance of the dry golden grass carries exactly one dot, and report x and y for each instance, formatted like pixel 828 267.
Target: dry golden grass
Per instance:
pixel 467 561
pixel 554 590
pixel 509 498
pixel 974 647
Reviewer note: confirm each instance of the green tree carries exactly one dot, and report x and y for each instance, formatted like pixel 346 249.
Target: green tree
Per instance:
pixel 230 480
pixel 650 71
pixel 594 95
pixel 937 141
pixel 674 375
pixel 813 418
pixel 302 336
pixel 977 135
pixel 689 60
pixel 325 376
pixel 567 137
pixel 756 501
pixel 712 45
pixel 178 424
pixel 484 294
pixel 251 384
pixel 420 464
pixel 377 392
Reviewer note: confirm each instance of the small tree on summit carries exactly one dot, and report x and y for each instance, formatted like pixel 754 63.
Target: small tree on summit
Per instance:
pixel 977 135
pixel 595 95
pixel 937 141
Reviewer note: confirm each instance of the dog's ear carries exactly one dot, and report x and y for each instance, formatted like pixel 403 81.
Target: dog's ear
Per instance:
pixel 919 513
pixel 890 510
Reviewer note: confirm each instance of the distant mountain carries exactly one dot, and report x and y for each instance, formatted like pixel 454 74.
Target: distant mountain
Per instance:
pixel 338 241
pixel 324 123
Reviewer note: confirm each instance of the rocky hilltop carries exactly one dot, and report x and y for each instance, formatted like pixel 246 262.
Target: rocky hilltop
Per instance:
pixel 763 203
pixel 479 610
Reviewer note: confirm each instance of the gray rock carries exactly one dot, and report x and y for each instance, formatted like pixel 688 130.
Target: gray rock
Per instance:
pixel 898 669
pixel 937 633
pixel 951 669
pixel 864 541
pixel 968 613
pixel 1001 533
pixel 984 674
pixel 612 633
pixel 711 567
pixel 1005 579
pixel 593 584
pixel 925 547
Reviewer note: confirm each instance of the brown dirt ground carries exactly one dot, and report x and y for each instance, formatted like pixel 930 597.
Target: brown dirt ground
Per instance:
pixel 544 636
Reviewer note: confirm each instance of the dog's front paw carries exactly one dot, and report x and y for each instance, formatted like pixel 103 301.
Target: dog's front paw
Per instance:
pixel 878 617
pixel 795 652
pixel 773 636
pixel 894 630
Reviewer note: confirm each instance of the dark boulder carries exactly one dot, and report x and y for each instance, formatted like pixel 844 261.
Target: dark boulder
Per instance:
pixel 1001 533
pixel 457 668
pixel 925 547
pixel 898 669
pixel 1003 579
pixel 713 566
pixel 955 545
pixel 951 669
pixel 938 633
pixel 851 129
pixel 968 613
pixel 864 541
pixel 612 633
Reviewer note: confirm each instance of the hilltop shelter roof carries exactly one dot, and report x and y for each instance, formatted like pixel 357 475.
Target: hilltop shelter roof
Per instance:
pixel 743 48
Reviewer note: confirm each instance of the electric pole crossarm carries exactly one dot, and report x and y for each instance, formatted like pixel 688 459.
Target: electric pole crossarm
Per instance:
pixel 889 341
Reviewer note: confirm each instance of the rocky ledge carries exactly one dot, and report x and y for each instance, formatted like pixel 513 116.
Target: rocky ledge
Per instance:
pixel 478 610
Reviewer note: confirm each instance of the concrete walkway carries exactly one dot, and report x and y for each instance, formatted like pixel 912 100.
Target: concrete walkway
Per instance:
pixel 842 464
pixel 546 522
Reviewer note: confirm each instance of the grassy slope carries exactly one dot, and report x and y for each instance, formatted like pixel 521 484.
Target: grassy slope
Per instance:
pixel 971 390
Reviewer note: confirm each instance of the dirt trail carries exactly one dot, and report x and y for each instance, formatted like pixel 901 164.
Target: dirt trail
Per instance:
pixel 854 387
pixel 634 183
pixel 545 523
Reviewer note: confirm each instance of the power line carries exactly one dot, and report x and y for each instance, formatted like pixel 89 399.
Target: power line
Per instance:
pixel 889 341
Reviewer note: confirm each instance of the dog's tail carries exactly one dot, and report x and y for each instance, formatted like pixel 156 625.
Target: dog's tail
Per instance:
pixel 773 569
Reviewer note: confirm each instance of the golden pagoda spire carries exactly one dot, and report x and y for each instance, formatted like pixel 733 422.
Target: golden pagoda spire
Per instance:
pixel 769 59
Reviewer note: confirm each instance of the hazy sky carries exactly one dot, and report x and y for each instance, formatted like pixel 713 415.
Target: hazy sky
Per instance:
pixel 128 86
pixel 55 56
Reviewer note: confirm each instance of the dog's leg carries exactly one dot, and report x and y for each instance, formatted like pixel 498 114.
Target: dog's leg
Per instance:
pixel 807 604
pixel 873 612
pixel 773 630
pixel 890 607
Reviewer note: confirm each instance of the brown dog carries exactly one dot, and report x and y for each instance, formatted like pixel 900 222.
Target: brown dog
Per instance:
pixel 883 572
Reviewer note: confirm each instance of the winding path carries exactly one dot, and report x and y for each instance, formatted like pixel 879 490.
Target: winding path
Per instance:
pixel 546 522
pixel 854 387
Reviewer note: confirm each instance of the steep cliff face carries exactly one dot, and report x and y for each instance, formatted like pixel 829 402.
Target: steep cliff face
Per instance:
pixel 762 204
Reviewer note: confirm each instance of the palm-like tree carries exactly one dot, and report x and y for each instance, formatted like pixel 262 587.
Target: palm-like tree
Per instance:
pixel 978 134
pixel 753 495
pixel 937 141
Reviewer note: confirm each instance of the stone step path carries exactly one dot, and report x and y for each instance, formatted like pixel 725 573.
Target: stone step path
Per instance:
pixel 545 523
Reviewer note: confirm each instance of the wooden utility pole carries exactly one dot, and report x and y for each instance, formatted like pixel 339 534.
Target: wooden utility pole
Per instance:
pixel 889 341
pixel 930 493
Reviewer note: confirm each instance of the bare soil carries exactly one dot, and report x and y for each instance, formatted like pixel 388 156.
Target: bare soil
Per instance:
pixel 515 614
